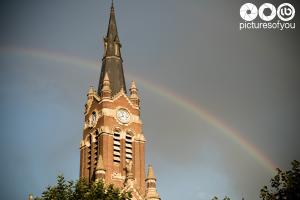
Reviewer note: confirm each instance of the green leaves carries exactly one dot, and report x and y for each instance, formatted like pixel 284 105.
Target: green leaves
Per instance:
pixel 284 185
pixel 82 190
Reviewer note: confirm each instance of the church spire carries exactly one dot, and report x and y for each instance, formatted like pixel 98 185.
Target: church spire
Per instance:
pixel 150 174
pixel 151 192
pixel 112 62
pixel 112 31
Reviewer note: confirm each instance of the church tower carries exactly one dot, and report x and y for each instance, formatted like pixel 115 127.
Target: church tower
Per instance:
pixel 113 145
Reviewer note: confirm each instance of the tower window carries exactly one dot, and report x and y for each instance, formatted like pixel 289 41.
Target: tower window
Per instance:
pixel 94 117
pixel 128 147
pixel 117 147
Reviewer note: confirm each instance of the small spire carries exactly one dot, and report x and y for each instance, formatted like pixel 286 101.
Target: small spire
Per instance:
pixel 91 90
pixel 100 165
pixel 112 3
pixel 150 174
pixel 106 77
pixel 106 84
pixel 133 93
pixel 133 85
pixel 106 91
pixel 151 192
pixel 30 197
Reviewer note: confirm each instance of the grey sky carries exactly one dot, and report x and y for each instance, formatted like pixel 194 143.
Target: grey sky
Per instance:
pixel 248 79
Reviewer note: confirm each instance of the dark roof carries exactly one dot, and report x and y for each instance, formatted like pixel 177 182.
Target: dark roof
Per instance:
pixel 112 62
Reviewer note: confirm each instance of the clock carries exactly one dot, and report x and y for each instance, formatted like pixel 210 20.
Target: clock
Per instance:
pixel 123 116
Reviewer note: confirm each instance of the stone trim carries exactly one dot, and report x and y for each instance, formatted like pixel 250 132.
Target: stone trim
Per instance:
pixel 117 176
pixel 112 113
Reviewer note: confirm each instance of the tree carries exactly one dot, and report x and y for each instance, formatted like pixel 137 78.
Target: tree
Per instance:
pixel 225 198
pixel 285 185
pixel 82 190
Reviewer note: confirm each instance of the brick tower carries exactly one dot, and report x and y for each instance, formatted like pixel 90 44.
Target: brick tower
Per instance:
pixel 113 144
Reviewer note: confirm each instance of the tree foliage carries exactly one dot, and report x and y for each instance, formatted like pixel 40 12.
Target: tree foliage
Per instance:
pixel 225 198
pixel 285 185
pixel 82 190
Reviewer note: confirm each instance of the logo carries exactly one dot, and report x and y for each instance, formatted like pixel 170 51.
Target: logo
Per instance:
pixel 267 13
pixel 248 11
pixel 286 12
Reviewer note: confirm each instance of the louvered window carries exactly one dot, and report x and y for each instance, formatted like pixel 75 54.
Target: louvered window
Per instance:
pixel 128 147
pixel 117 147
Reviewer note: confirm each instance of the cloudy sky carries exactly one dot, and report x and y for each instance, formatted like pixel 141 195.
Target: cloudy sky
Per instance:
pixel 220 106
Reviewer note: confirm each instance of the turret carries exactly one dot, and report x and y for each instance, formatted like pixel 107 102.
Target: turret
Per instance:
pixel 91 92
pixel 133 94
pixel 151 192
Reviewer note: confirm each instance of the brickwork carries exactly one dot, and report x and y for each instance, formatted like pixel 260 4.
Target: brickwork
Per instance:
pixel 100 124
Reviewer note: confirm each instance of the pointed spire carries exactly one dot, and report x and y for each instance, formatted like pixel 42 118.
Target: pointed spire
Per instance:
pixel 91 90
pixel 112 32
pixel 106 91
pixel 133 94
pixel 30 197
pixel 133 88
pixel 112 62
pixel 151 192
pixel 106 79
pixel 150 174
pixel 91 93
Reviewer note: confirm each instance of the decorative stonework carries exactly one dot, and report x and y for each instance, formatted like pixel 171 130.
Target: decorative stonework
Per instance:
pixel 122 93
pixel 112 113
pixel 140 138
pixel 117 176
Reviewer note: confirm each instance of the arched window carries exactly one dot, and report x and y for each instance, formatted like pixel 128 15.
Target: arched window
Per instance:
pixel 117 147
pixel 128 147
pixel 94 117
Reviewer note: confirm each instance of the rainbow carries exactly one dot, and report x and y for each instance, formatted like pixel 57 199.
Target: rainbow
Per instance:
pixel 234 135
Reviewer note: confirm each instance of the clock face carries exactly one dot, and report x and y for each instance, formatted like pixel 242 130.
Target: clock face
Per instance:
pixel 123 116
